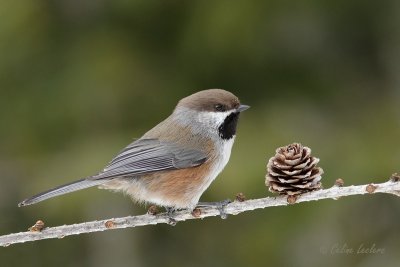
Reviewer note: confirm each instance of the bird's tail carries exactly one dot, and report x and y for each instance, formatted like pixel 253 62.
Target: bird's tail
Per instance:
pixel 61 190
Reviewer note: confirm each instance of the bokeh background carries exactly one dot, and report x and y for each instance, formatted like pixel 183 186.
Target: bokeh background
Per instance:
pixel 80 79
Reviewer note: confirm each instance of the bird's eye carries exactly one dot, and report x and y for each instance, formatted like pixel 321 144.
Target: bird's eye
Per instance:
pixel 219 107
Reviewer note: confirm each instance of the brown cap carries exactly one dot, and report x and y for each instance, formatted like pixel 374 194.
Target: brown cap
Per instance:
pixel 211 100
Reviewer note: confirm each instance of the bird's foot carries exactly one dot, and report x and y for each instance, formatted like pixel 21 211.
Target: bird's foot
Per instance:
pixel 218 205
pixel 170 214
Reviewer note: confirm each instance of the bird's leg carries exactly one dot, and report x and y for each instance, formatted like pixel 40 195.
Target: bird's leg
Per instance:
pixel 218 205
pixel 170 213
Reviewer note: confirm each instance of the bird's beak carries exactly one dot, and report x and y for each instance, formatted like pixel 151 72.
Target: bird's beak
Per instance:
pixel 242 108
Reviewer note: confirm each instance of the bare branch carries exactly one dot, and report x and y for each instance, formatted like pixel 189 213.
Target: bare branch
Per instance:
pixel 335 192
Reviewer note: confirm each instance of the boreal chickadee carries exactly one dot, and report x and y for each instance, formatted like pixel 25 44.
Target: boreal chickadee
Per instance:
pixel 175 162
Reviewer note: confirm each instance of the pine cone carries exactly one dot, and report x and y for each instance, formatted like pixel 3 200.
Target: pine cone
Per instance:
pixel 293 171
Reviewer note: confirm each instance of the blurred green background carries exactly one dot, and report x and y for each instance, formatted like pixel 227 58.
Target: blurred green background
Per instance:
pixel 80 79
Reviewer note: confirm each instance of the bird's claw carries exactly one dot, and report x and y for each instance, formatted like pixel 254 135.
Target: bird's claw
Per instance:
pixel 220 206
pixel 170 213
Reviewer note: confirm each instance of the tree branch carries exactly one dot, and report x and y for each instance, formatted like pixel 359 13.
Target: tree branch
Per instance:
pixel 236 207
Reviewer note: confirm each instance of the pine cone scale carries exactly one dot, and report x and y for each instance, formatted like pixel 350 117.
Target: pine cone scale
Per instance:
pixel 293 171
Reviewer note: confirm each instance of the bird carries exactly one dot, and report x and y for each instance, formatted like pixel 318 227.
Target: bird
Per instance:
pixel 172 164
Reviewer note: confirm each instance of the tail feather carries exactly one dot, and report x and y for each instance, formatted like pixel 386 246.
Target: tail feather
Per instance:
pixel 61 190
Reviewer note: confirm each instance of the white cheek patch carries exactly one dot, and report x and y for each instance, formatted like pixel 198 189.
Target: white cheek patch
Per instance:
pixel 203 122
pixel 213 119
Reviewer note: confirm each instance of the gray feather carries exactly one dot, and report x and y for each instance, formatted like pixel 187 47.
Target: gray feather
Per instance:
pixel 150 155
pixel 60 190
pixel 141 157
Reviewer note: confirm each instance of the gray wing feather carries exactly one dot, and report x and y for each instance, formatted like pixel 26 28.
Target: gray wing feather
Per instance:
pixel 149 155
pixel 141 157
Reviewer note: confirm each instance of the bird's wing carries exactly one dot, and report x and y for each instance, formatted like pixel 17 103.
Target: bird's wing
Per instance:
pixel 141 157
pixel 149 155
